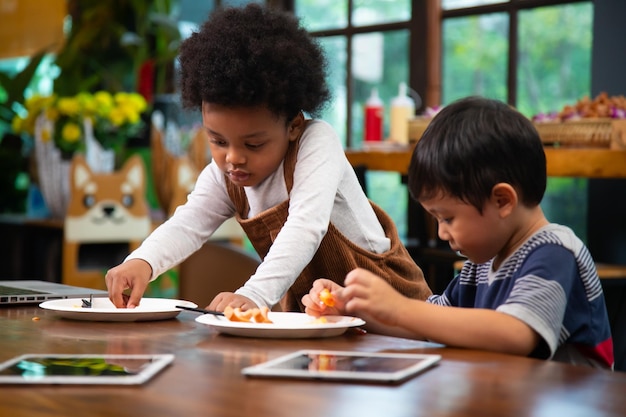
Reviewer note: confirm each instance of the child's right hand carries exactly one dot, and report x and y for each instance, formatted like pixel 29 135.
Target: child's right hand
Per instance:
pixel 133 274
pixel 317 302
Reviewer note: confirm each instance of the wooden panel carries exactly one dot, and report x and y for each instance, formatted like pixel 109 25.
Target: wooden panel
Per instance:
pixel 28 26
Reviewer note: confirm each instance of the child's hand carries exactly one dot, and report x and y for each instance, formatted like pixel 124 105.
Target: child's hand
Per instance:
pixel 324 298
pixel 224 299
pixel 134 275
pixel 368 295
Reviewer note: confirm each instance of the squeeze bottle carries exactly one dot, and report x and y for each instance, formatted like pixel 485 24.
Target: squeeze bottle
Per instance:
pixel 402 110
pixel 374 117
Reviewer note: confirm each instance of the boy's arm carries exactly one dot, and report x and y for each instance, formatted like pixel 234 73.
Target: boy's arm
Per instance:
pixel 387 311
pixel 473 328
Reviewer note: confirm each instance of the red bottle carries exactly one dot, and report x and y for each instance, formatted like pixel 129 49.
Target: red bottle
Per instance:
pixel 374 118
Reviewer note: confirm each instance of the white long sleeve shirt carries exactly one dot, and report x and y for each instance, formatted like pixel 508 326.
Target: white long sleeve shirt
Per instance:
pixel 325 189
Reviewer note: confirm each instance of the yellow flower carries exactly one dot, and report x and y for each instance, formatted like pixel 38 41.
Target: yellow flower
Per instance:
pixel 87 102
pixel 116 116
pixel 68 106
pixel 71 132
pixel 103 99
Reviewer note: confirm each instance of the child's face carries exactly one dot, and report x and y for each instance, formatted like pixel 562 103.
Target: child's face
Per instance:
pixel 247 144
pixel 479 237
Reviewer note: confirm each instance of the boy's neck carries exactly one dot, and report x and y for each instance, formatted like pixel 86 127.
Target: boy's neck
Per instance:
pixel 528 222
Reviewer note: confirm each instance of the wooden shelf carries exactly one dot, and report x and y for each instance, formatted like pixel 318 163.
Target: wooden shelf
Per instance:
pixel 561 162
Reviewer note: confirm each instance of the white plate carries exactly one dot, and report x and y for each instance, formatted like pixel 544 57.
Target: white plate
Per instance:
pixel 104 310
pixel 285 325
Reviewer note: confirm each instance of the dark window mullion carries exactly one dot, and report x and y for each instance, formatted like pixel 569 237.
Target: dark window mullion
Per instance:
pixel 512 58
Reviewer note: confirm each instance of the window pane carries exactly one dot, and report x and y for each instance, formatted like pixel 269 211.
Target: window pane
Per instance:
pixel 554 65
pixel 380 60
pixel 387 190
pixel 459 4
pixel 322 14
pixel 474 60
pixel 565 202
pixel 554 69
pixel 335 113
pixel 370 12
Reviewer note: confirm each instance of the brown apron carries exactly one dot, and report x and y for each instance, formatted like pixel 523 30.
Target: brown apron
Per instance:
pixel 336 255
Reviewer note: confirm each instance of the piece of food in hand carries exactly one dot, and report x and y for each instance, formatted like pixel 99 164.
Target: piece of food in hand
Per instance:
pixel 327 298
pixel 251 315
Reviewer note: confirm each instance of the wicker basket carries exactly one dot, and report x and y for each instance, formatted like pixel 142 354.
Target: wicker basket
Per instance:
pixel 594 133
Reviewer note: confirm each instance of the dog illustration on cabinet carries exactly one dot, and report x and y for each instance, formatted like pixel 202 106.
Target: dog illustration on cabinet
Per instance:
pixel 107 217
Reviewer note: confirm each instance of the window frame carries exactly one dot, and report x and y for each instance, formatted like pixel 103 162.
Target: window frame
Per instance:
pixel 425 47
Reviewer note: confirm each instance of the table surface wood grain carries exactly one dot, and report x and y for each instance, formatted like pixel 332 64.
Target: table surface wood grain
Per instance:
pixel 205 377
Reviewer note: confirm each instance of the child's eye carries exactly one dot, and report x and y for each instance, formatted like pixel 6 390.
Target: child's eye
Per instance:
pixel 254 145
pixel 217 142
pixel 445 220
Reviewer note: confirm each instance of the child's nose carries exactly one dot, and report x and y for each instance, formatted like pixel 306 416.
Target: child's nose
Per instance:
pixel 442 231
pixel 235 156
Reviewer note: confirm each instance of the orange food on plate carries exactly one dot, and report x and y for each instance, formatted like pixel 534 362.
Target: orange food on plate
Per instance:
pixel 327 298
pixel 252 315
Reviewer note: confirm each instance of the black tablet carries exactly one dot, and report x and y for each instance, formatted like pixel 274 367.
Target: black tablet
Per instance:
pixel 345 365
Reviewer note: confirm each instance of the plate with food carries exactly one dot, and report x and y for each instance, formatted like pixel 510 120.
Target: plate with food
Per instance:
pixel 278 324
pixel 102 309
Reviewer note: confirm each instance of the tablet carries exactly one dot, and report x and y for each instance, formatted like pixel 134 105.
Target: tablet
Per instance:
pixel 345 365
pixel 82 369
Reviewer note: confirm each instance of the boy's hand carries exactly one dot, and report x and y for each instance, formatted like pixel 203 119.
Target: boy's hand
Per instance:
pixel 134 275
pixel 368 295
pixel 324 298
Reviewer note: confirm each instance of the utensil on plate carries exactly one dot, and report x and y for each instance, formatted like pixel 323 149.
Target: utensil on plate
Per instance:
pixel 88 303
pixel 201 310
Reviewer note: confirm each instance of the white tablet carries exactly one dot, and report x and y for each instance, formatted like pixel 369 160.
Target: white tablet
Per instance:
pixel 82 369
pixel 345 365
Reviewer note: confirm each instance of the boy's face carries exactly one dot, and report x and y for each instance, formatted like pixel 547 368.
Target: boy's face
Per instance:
pixel 479 237
pixel 247 144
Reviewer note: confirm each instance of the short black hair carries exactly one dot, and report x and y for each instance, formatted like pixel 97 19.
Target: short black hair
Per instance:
pixel 251 56
pixel 473 144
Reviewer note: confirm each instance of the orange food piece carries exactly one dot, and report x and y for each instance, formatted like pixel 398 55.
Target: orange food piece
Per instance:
pixel 327 298
pixel 252 315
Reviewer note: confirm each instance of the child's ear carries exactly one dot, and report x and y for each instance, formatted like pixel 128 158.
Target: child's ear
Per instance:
pixel 296 126
pixel 505 197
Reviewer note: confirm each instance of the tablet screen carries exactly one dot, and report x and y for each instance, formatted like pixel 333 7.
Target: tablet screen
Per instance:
pixel 365 366
pixel 82 369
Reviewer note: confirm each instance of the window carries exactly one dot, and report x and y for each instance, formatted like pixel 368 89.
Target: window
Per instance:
pixel 367 43
pixel 533 54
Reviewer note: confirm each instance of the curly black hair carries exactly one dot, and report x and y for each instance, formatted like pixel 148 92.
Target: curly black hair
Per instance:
pixel 251 56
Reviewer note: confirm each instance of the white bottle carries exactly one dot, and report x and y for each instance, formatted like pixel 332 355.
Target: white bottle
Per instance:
pixel 402 110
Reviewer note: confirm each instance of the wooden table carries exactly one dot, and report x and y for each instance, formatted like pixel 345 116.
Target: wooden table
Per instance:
pixel 205 378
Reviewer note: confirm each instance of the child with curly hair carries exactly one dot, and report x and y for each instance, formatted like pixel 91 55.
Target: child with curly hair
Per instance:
pixel 253 72
pixel 529 287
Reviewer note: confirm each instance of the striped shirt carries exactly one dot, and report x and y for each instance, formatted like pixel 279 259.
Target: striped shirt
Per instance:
pixel 552 285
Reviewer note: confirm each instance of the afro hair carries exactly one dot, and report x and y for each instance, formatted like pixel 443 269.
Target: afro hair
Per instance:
pixel 254 56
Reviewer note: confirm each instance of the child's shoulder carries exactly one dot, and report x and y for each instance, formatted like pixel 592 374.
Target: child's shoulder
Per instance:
pixel 557 234
pixel 321 135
